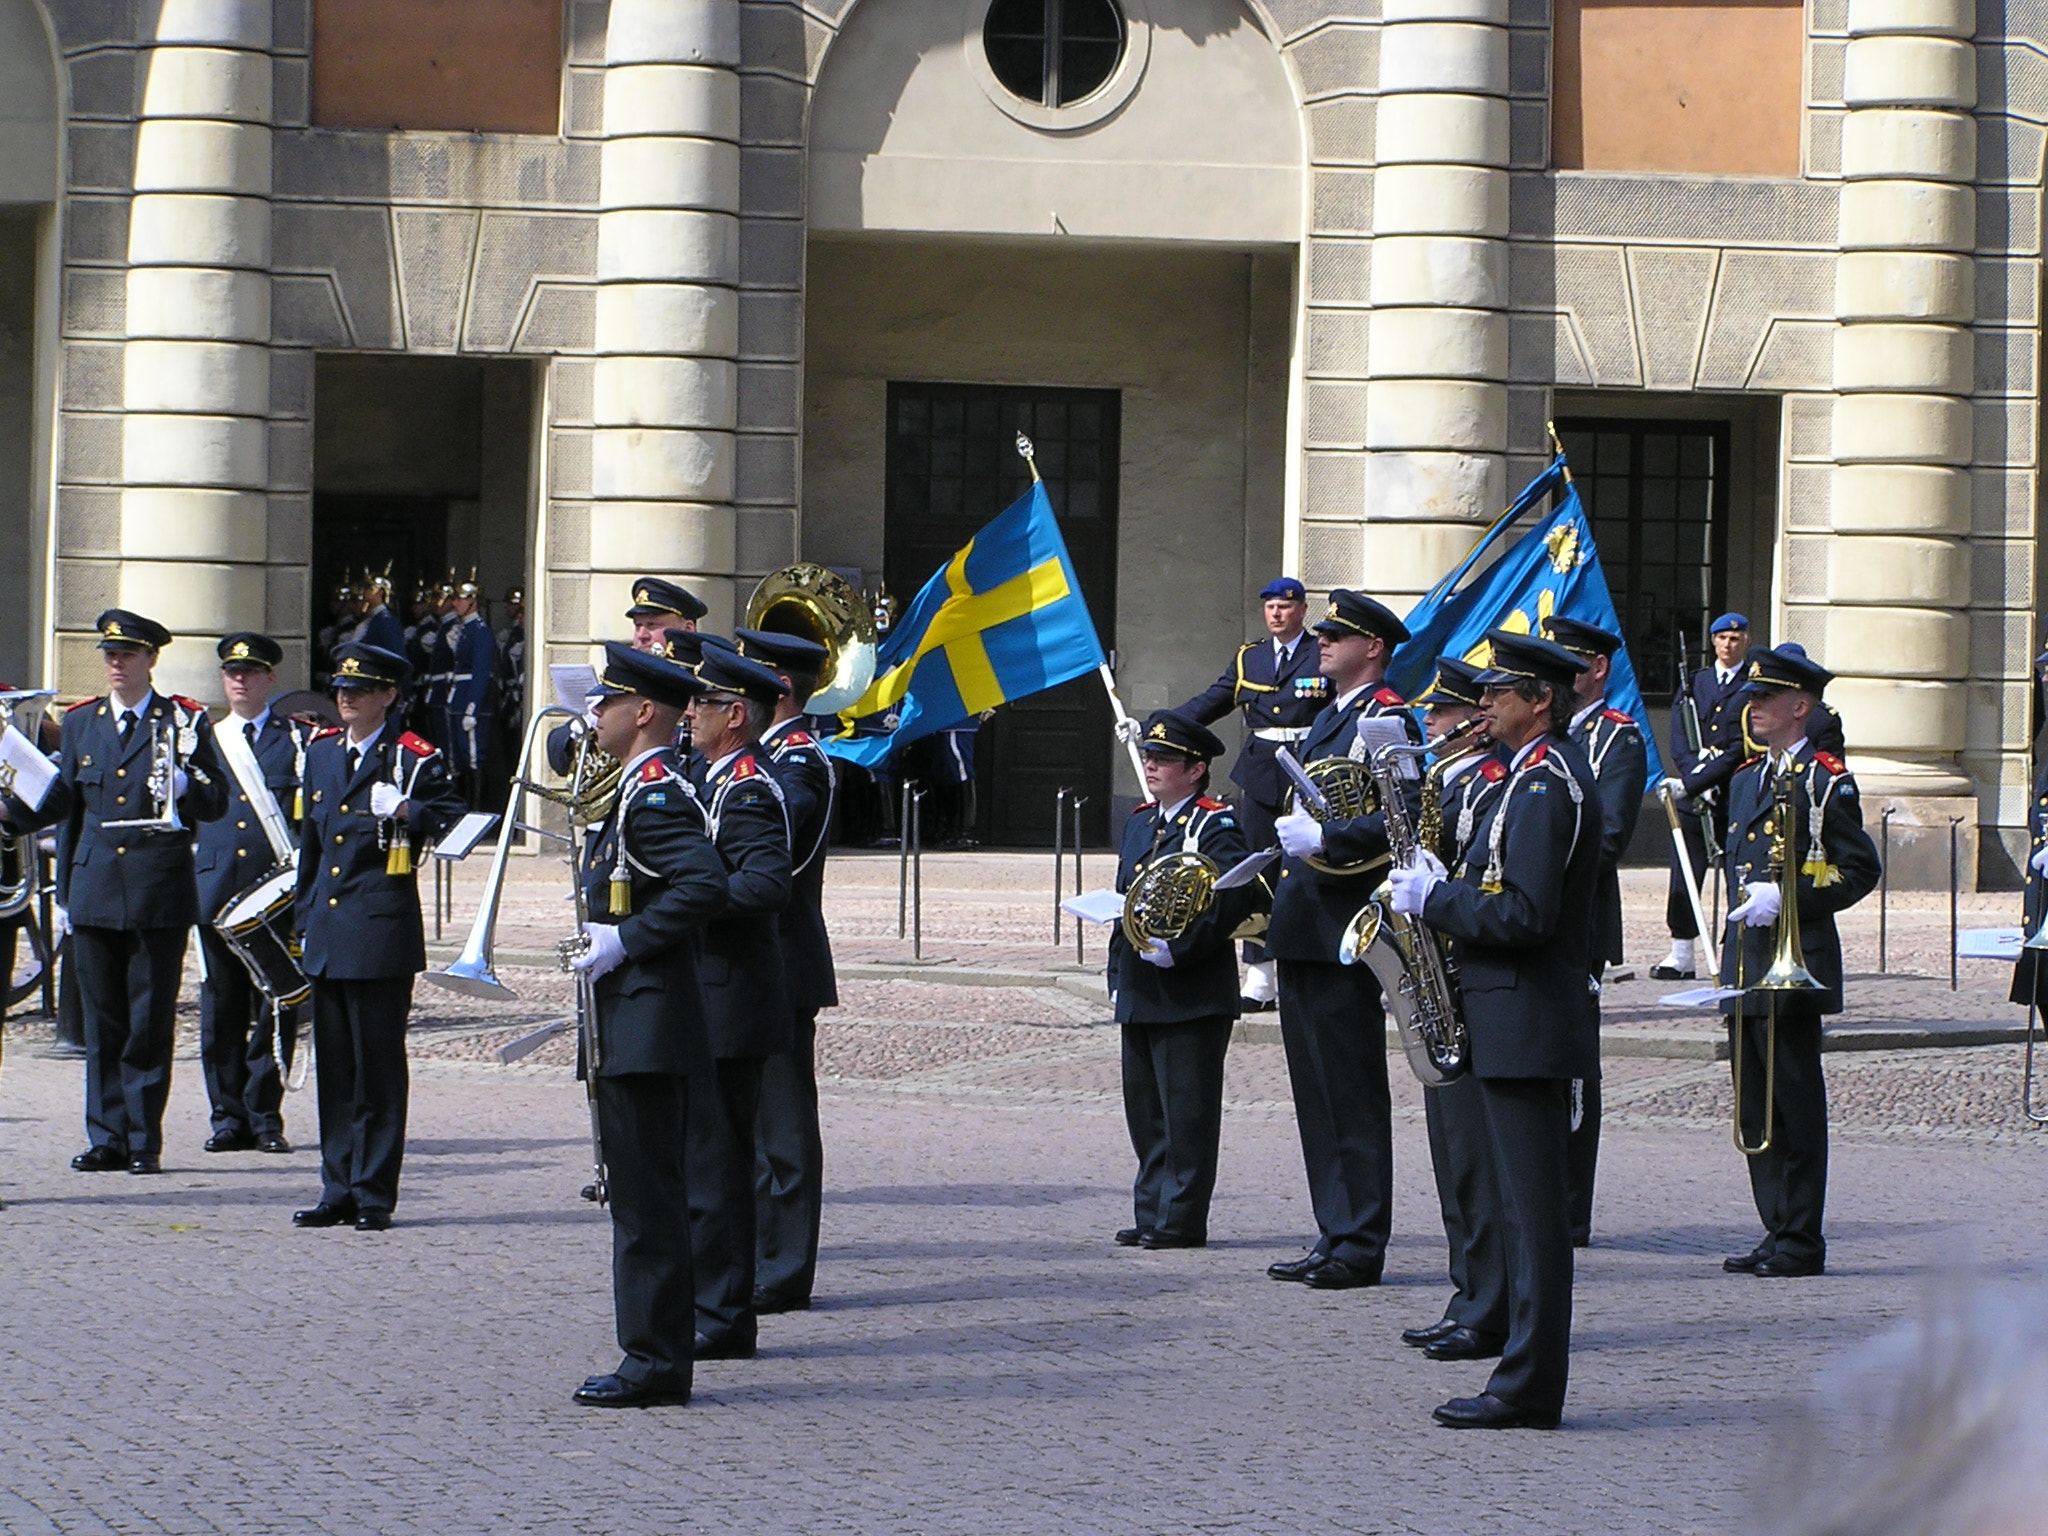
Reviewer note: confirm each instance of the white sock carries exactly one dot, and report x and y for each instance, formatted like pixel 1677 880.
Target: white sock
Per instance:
pixel 1259 985
pixel 1680 958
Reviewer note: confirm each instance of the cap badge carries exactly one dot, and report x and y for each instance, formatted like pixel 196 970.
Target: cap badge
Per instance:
pixel 240 651
pixel 351 667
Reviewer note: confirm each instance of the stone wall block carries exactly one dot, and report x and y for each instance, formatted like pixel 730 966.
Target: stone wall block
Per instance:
pixel 668 317
pixel 197 601
pixel 230 85
pixel 651 244
pixel 1440 200
pixel 199 230
pixel 1441 343
pixel 667 536
pixel 205 304
pixel 1436 414
pixel 1443 56
pixel 1900 714
pixel 673 31
pixel 221 378
pixel 161 523
pixel 1924 18
pixel 1465 274
pixel 220 23
pixel 1924 429
pixel 1899 498
pixel 182 155
pixel 1910 72
pixel 665 391
pixel 612 592
pixel 1434 487
pixel 1420 129
pixel 1907 572
pixel 1405 558
pixel 194 450
pixel 1929 146
pixel 1492 13
pixel 1937 359
pixel 1889 285
pixel 654 464
pixel 669 173
pixel 1908 215
pixel 1915 642
pixel 678 100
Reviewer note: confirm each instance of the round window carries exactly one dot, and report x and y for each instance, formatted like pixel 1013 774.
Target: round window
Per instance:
pixel 1053 52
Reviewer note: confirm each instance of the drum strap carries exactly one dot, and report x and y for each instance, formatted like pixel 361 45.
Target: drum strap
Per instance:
pixel 234 746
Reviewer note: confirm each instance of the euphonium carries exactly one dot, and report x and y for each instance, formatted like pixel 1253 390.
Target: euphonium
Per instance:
pixel 1419 979
pixel 1168 895
pixel 1788 972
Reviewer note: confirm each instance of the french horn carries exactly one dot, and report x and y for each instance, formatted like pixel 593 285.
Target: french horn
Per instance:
pixel 1168 896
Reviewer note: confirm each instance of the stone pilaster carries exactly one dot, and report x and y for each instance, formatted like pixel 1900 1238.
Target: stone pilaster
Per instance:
pixel 1437 346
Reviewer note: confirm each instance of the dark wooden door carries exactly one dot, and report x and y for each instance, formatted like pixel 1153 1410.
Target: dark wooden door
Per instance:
pixel 952 467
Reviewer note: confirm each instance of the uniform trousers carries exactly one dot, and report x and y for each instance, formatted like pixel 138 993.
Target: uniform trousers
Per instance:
pixel 789 1168
pixel 1469 1197
pixel 643 1121
pixel 1256 817
pixel 1173 1104
pixel 239 1045
pixel 1335 1034
pixel 128 982
pixel 1790 1179
pixel 1527 1122
pixel 359 1049
pixel 720 1161
pixel 1582 1156
pixel 1693 827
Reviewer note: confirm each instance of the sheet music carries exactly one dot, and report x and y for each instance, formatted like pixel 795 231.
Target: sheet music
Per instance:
pixel 1246 870
pixel 24 772
pixel 573 685
pixel 1989 944
pixel 465 835
pixel 1377 731
pixel 1699 997
pixel 1099 907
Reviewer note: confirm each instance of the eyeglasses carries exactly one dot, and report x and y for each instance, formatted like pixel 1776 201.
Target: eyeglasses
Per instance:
pixel 714 701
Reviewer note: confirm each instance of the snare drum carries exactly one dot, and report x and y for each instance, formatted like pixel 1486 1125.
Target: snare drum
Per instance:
pixel 257 926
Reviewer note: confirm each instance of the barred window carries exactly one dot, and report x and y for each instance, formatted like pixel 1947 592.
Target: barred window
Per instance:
pixel 1053 52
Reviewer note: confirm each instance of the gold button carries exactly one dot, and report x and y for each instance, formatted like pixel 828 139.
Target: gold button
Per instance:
pixel 120 799
pixel 1285 873
pixel 243 825
pixel 241 853
pixel 120 850
pixel 120 773
pixel 344 810
pixel 336 870
pixel 333 901
pixel 337 838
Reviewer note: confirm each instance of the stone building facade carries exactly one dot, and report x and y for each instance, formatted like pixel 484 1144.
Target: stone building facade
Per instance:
pixel 649 274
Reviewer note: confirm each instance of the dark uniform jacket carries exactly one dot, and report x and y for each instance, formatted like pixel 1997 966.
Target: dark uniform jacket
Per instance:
pixel 473 668
pixel 1518 909
pixel 1845 872
pixel 358 923
pixel 126 877
pixel 746 996
pixel 804 773
pixel 1202 981
pixel 1311 907
pixel 382 629
pixel 1612 744
pixel 1467 799
pixel 1722 743
pixel 233 853
pixel 650 1009
pixel 2025 977
pixel 1272 698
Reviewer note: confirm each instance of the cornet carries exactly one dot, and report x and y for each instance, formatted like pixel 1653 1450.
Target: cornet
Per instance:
pixel 1788 972
pixel 162 784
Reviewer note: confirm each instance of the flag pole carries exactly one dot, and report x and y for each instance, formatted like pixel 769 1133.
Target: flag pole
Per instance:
pixel 1126 727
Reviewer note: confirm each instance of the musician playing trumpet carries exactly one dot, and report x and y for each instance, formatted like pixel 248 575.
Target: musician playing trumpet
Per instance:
pixel 1834 870
pixel 1174 983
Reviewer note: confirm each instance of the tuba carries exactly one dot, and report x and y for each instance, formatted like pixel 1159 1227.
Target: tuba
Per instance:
pixel 815 603
pixel 1788 972
pixel 18 864
pixel 1168 896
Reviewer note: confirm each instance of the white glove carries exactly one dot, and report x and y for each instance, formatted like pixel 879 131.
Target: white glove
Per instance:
pixel 1412 884
pixel 2039 862
pixel 1156 952
pixel 1127 729
pixel 385 801
pixel 1675 785
pixel 180 782
pixel 1762 908
pixel 60 924
pixel 1300 834
pixel 1430 862
pixel 607 951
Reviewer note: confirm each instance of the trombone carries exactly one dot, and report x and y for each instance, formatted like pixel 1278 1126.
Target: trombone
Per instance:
pixel 473 973
pixel 1787 973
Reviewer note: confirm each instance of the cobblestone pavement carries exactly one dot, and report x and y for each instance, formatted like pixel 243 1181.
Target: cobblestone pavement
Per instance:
pixel 178 1359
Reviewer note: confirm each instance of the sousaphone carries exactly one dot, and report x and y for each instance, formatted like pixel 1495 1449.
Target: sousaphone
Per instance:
pixel 818 604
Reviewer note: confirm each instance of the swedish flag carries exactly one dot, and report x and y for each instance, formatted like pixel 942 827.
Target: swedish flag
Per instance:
pixel 1003 620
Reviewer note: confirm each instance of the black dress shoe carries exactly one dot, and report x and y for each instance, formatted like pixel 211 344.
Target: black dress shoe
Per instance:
pixel 1129 1237
pixel 1295 1269
pixel 1170 1240
pixel 739 1344
pixel 100 1159
pixel 1782 1266
pixel 272 1141
pixel 1256 1005
pixel 1671 973
pixel 373 1221
pixel 1746 1263
pixel 145 1162
pixel 325 1214
pixel 617 1392
pixel 230 1141
pixel 589 1192
pixel 767 1303
pixel 1488 1412
pixel 1466 1344
pixel 1421 1336
pixel 1342 1275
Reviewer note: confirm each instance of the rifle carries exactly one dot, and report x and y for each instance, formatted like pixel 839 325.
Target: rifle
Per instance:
pixel 1695 738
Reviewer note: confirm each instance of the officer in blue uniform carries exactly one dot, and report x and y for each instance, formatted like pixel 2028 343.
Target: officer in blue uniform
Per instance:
pixel 1276 682
pixel 1698 776
pixel 131 891
pixel 379 625
pixel 789 1168
pixel 1176 998
pixel 1837 867
pixel 373 794
pixel 1612 744
pixel 1518 909
pixel 1331 1019
pixel 473 653
pixel 651 883
pixel 1475 1320
pixel 244 1047
pixel 746 986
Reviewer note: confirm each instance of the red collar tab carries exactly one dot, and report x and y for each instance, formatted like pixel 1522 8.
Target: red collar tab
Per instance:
pixel 418 746
pixel 744 767
pixel 182 702
pixel 1534 758
pixel 1388 696
pixel 326 731
pixel 653 769
pixel 1149 805
pixel 1617 716
pixel 1493 770
pixel 799 739
pixel 1211 805
pixel 1832 763
pixel 82 704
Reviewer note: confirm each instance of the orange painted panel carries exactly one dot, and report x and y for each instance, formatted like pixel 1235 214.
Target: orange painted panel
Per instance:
pixel 1681 85
pixel 486 66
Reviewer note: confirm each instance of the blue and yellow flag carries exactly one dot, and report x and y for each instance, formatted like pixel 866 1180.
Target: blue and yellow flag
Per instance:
pixel 1003 620
pixel 1551 569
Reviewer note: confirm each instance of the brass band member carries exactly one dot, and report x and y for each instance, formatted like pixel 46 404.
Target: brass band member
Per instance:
pixel 1837 867
pixel 1176 998
pixel 1519 911
pixel 658 607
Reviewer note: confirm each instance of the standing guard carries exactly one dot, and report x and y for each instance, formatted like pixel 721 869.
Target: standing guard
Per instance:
pixel 373 792
pixel 789 1169
pixel 141 770
pixel 1174 988
pixel 746 988
pixel 651 882
pixel 1707 744
pixel 1612 744
pixel 1332 1021
pixel 1276 682
pixel 473 670
pixel 1828 858
pixel 379 625
pixel 245 1041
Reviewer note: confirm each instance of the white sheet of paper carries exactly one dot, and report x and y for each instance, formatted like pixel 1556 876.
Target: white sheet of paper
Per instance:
pixel 573 684
pixel 23 768
pixel 1377 731
pixel 1989 944
pixel 463 837
pixel 1699 997
pixel 1099 907
pixel 1246 870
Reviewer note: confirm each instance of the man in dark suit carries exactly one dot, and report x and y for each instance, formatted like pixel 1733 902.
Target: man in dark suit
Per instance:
pixel 128 883
pixel 1518 910
pixel 1277 683
pixel 652 851
pixel 1775 1035
pixel 1331 1019
pixel 244 1045
pixel 1706 745
pixel 1612 744
pixel 373 793
pixel 789 1169
pixel 1176 996
pixel 746 988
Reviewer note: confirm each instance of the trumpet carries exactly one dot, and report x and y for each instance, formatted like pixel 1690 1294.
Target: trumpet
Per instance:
pixel 162 784
pixel 1787 972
